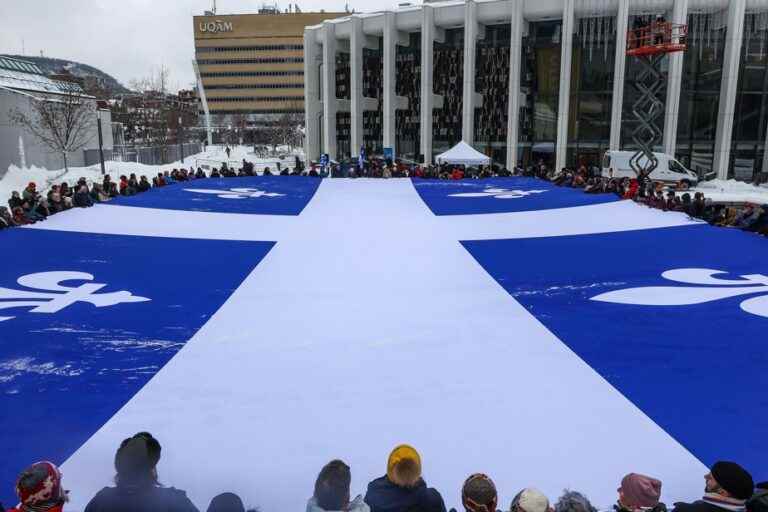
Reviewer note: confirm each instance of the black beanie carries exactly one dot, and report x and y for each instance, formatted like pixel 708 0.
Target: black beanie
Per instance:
pixel 734 479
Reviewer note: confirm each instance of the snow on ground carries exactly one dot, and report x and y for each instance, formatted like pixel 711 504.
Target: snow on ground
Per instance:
pixel 728 191
pixel 18 178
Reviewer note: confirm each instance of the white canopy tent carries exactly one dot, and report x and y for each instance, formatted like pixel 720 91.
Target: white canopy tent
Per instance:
pixel 463 154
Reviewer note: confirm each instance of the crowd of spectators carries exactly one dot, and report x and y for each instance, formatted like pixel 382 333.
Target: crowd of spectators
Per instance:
pixel 31 205
pixel 728 488
pixel 655 194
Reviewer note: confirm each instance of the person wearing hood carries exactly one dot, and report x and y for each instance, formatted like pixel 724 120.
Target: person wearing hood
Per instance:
pixel 403 489
pixel 137 488
pixel 39 489
pixel 639 493
pixel 332 491
pixel 728 487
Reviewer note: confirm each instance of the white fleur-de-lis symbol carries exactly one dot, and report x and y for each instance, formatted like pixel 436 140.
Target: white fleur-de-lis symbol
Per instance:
pixel 710 289
pixel 499 193
pixel 235 193
pixel 60 296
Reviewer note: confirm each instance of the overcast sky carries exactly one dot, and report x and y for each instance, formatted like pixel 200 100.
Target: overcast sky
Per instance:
pixel 128 38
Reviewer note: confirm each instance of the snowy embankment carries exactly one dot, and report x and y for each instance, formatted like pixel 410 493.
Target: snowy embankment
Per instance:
pixel 732 191
pixel 18 178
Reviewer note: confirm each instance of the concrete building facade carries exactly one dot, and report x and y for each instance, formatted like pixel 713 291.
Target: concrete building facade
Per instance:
pixel 21 84
pixel 251 66
pixel 524 80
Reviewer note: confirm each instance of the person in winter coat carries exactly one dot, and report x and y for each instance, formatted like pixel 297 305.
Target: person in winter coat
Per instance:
pixel 728 487
pixel 19 218
pixel 137 489
pixel 144 184
pixel 124 186
pixel 66 191
pixel 15 201
pixel 39 489
pixel 639 493
pixel 30 193
pixel 332 491
pixel 55 203
pixel 82 198
pixel 6 220
pixel 402 489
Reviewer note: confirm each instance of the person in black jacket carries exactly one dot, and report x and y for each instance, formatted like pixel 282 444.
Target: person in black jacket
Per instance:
pixel 137 489
pixel 402 489
pixel 728 487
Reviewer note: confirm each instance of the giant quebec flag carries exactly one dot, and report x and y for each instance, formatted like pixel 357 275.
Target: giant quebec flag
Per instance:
pixel 260 327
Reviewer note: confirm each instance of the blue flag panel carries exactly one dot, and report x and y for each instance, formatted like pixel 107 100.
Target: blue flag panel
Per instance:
pixel 267 195
pixel 675 319
pixel 501 195
pixel 86 320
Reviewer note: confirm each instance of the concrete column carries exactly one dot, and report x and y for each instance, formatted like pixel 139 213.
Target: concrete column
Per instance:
pixel 765 154
pixel 515 57
pixel 329 89
pixel 674 83
pixel 427 64
pixel 619 65
pixel 734 33
pixel 389 53
pixel 312 105
pixel 356 41
pixel 564 103
pixel 470 99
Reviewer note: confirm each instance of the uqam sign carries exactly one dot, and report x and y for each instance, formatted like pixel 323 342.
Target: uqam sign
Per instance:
pixel 216 26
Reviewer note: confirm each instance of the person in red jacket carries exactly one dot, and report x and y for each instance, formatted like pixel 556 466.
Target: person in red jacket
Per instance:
pixel 39 489
pixel 631 192
pixel 457 174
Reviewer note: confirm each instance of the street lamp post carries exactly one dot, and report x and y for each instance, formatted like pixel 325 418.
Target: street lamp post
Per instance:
pixel 101 142
pixel 178 137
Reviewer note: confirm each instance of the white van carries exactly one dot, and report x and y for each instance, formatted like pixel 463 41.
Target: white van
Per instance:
pixel 669 170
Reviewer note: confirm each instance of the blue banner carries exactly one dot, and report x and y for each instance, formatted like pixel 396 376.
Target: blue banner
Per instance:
pixel 268 195
pixel 674 318
pixel 500 195
pixel 86 320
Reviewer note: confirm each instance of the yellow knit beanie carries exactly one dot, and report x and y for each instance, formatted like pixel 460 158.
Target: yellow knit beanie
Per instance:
pixel 404 466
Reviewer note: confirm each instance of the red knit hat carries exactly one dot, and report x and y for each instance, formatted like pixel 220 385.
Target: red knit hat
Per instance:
pixel 40 484
pixel 640 491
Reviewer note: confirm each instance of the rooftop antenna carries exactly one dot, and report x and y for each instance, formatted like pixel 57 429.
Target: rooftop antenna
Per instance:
pixel 214 7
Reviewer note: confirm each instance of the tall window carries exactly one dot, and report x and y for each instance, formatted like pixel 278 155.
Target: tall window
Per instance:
pixel 589 122
pixel 700 90
pixel 749 126
pixel 492 81
pixel 373 88
pixel 343 118
pixel 540 84
pixel 408 73
pixel 448 65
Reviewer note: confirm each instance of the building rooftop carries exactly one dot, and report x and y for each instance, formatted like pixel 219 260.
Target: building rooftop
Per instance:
pixel 26 76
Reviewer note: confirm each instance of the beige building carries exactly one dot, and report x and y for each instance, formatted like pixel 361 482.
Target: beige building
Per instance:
pixel 252 65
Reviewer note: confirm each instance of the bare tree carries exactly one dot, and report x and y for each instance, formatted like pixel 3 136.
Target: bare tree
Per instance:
pixel 157 81
pixel 61 123
pixel 287 130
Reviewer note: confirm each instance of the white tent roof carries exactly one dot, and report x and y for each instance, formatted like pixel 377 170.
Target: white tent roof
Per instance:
pixel 463 153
